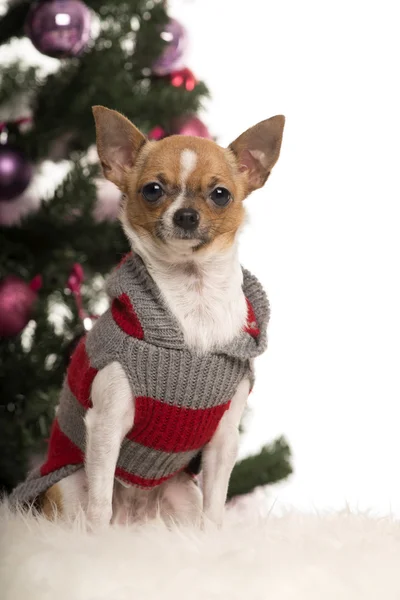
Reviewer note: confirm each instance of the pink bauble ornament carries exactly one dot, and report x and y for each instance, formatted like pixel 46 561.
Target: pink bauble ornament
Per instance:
pixel 173 54
pixel 183 78
pixel 59 28
pixel 17 299
pixel 157 133
pixel 190 126
pixel 15 172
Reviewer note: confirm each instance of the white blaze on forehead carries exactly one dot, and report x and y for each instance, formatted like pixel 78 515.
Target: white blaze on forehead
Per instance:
pixel 188 164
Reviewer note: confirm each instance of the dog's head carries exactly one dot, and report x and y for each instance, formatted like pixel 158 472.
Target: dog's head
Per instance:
pixel 184 194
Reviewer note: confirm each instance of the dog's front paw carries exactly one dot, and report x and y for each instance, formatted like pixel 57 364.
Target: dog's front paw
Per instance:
pixel 213 513
pixel 98 518
pixel 211 522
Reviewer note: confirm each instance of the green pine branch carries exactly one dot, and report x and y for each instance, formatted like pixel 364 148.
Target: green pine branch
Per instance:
pixel 15 80
pixel 114 70
pixel 269 466
pixel 64 230
pixel 62 102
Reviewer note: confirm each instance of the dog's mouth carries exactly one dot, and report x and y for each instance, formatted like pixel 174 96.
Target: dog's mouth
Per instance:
pixel 196 239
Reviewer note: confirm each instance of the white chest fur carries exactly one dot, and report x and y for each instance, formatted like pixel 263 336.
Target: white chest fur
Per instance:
pixel 206 298
pixel 205 295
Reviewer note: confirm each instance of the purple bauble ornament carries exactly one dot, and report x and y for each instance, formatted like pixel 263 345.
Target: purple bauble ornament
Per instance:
pixel 172 56
pixel 190 126
pixel 15 172
pixel 59 28
pixel 16 303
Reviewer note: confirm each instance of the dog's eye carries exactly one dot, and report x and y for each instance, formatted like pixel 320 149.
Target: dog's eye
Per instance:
pixel 220 196
pixel 152 192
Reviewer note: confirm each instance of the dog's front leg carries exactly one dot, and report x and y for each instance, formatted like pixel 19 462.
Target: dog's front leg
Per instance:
pixel 107 423
pixel 219 457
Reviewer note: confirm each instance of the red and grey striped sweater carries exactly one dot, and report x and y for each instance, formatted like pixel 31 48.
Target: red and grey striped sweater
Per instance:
pixel 180 396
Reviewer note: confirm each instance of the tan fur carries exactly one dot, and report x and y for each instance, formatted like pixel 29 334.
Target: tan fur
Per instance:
pixel 118 143
pixel 215 166
pixel 257 150
pixel 52 502
pixel 131 162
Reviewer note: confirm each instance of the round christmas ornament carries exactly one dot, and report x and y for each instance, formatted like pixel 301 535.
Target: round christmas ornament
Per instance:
pixel 59 28
pixel 172 56
pixel 157 133
pixel 183 78
pixel 15 172
pixel 190 126
pixel 17 299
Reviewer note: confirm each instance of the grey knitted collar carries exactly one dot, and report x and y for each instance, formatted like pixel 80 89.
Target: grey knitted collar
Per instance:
pixel 160 326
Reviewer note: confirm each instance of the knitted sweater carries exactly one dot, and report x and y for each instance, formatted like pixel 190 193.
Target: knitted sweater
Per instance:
pixel 180 395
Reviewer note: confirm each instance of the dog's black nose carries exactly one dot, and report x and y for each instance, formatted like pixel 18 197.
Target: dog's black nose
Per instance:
pixel 187 218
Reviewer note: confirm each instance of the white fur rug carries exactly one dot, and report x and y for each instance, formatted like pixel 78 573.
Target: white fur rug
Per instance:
pixel 334 557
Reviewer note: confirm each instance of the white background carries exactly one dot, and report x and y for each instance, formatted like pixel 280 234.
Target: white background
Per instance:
pixel 323 236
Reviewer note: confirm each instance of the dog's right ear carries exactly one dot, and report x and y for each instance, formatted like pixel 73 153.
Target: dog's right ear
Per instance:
pixel 118 143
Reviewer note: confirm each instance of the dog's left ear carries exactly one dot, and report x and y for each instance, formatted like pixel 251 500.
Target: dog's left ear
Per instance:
pixel 118 143
pixel 257 150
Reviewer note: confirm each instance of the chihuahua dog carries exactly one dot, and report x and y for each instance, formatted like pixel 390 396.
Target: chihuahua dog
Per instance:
pixel 163 378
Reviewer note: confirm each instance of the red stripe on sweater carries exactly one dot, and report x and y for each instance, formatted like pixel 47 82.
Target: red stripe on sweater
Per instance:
pixel 141 481
pixel 171 428
pixel 251 326
pixel 80 375
pixel 124 315
pixel 61 451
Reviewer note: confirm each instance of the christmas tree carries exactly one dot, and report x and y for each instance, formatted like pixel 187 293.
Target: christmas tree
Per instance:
pixel 56 249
